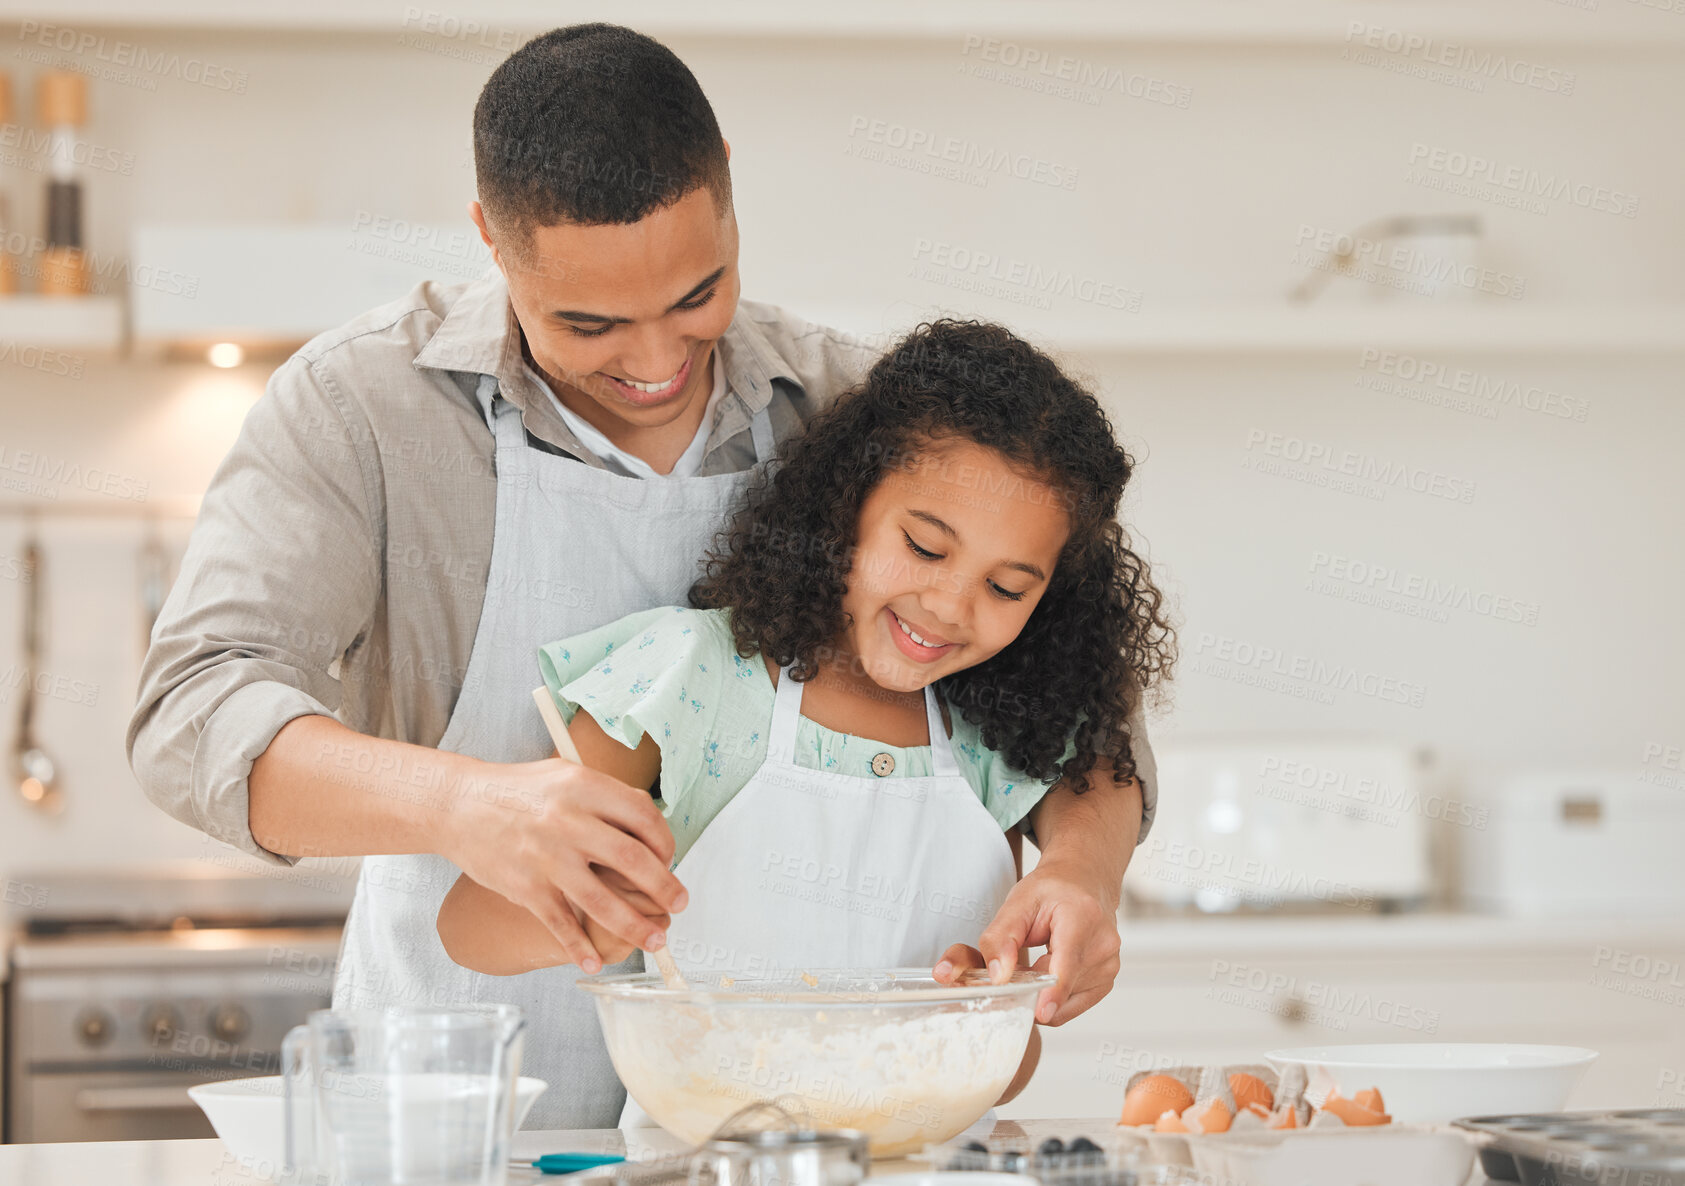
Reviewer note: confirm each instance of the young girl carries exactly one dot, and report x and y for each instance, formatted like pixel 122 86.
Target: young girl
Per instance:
pixel 920 620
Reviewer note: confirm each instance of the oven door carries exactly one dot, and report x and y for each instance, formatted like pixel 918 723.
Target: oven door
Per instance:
pixel 107 1033
pixel 109 1105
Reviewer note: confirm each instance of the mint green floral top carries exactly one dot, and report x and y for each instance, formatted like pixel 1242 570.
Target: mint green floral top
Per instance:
pixel 674 672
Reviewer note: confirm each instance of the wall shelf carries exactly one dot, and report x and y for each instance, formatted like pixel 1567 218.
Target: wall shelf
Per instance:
pixel 1629 26
pixel 1242 330
pixel 89 324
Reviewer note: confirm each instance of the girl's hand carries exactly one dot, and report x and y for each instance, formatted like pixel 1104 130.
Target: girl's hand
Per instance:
pixel 960 959
pixel 481 929
pixel 610 946
pixel 956 962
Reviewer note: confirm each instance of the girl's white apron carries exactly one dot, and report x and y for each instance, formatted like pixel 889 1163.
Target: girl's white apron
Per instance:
pixel 809 869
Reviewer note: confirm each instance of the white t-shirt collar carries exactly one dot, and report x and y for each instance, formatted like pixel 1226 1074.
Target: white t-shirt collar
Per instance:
pixel 616 458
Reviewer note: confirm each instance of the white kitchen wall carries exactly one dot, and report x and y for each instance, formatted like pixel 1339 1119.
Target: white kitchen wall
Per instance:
pixel 1185 211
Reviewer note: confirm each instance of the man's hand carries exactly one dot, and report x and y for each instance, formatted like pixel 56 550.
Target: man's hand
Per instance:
pixel 536 833
pixel 549 837
pixel 1068 902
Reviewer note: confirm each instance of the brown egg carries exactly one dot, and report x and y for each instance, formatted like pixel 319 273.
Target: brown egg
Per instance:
pixel 1249 1089
pixel 1370 1097
pixel 1152 1097
pixel 1354 1113
pixel 1169 1122
pixel 1288 1117
pixel 1211 1116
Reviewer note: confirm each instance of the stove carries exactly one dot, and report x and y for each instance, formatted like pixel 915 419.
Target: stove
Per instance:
pixel 127 989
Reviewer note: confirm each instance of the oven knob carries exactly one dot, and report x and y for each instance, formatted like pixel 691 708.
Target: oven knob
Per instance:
pixel 93 1027
pixel 230 1022
pixel 160 1024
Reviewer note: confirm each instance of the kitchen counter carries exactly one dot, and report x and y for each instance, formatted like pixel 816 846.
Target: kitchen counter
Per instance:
pixel 207 1163
pixel 1161 935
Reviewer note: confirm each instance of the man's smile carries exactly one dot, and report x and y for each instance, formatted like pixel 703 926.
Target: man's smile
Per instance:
pixel 648 394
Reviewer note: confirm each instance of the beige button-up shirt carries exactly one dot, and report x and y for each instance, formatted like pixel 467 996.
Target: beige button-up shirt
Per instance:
pixel 340 557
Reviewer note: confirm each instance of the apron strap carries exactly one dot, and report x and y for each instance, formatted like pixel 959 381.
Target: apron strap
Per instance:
pixel 787 707
pixel 760 430
pixel 941 749
pixel 503 416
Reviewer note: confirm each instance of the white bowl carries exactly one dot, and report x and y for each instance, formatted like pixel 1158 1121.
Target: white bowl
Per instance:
pixel 1434 1082
pixel 249 1114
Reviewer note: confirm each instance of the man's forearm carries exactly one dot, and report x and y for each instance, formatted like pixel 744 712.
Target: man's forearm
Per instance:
pixel 321 789
pixel 1094 832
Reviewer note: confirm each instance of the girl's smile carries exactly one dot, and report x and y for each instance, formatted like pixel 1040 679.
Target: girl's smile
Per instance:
pixel 922 645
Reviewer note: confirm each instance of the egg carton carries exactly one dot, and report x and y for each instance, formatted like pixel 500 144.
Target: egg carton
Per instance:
pixel 1632 1146
pixel 1379 1155
pixel 1203 1082
pixel 1269 1155
pixel 1193 1077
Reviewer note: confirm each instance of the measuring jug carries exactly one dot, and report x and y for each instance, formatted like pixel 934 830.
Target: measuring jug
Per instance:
pixel 402 1097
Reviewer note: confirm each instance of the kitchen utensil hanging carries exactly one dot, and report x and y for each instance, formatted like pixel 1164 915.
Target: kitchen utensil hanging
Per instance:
pixel 37 773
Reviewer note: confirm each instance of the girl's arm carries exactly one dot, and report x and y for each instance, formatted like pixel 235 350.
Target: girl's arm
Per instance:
pixel 1027 1068
pixel 961 957
pixel 486 932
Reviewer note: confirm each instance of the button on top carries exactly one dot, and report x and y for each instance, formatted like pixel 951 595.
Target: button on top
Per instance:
pixel 883 765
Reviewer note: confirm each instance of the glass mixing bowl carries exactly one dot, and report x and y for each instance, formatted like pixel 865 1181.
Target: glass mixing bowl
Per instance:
pixel 889 1052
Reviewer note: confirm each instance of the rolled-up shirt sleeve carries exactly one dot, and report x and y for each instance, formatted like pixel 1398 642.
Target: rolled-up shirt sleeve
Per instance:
pixel 281 576
pixel 1146 771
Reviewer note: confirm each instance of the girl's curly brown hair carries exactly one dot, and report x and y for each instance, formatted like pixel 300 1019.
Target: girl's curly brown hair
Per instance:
pixel 1098 637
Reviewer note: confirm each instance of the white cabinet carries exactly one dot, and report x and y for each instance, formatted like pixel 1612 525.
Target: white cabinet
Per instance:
pixel 1202 991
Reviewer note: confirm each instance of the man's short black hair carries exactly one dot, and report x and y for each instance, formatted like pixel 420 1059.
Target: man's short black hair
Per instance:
pixel 594 125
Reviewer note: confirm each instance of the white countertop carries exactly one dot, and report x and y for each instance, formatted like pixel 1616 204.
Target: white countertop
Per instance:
pixel 208 1163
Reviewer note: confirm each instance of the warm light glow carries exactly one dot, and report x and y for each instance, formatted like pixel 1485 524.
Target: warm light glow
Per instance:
pixel 225 354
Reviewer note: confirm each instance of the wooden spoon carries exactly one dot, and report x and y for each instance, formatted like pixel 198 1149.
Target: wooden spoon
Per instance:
pixel 565 749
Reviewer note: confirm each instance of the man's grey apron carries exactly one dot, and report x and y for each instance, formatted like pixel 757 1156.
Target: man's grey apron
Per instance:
pixel 575 547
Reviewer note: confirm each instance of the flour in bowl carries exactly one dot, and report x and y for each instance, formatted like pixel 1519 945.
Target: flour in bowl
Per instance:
pixel 904 1080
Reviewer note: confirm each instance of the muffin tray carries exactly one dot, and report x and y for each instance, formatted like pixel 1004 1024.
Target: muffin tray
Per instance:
pixel 1630 1147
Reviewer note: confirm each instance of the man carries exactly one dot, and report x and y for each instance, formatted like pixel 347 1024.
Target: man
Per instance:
pixel 426 494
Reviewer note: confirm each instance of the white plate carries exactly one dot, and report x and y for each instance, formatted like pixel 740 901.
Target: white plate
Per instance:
pixel 1435 1082
pixel 248 1115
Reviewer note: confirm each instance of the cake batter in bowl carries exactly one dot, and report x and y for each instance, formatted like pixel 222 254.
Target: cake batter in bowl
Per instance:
pixel 889 1052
